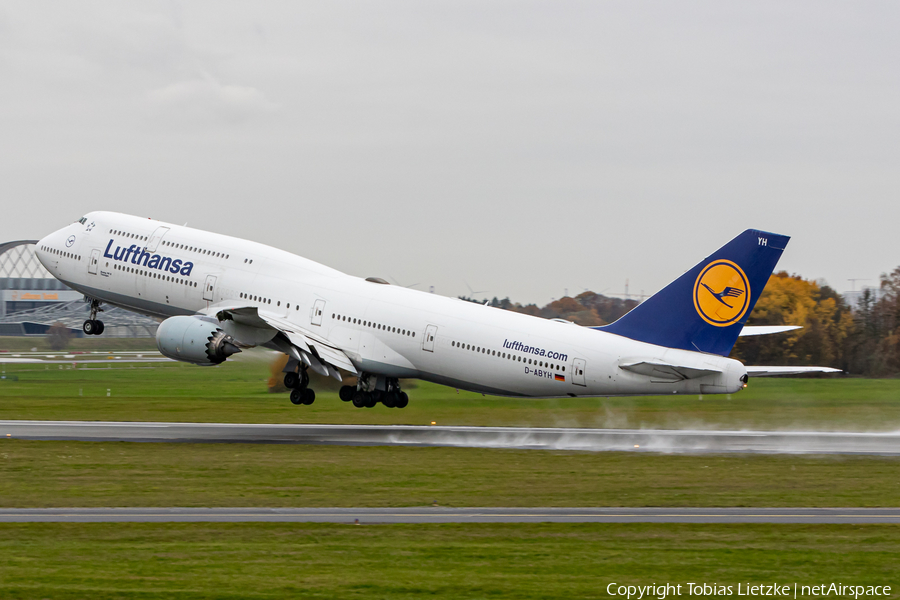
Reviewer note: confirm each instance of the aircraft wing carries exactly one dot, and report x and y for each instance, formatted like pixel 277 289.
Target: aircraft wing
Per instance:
pixel 766 329
pixel 299 343
pixel 770 371
pixel 665 371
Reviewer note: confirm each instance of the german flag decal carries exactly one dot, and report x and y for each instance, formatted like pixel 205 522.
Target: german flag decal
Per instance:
pixel 560 377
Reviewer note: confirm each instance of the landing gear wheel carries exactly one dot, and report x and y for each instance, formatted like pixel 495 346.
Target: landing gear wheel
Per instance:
pixel 291 380
pixel 390 399
pixel 359 399
pixel 89 327
pixel 371 400
pixel 297 396
pixel 402 400
pixel 309 396
pixel 92 326
pixel 346 393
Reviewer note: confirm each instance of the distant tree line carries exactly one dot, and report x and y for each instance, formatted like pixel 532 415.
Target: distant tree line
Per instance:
pixel 588 309
pixel 862 339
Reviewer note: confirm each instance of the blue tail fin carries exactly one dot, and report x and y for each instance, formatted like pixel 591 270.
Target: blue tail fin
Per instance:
pixel 705 309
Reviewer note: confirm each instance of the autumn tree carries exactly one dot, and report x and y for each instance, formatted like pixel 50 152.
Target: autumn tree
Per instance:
pixel 825 319
pixel 876 340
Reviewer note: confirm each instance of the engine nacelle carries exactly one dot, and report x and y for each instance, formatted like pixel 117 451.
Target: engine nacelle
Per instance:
pixel 194 340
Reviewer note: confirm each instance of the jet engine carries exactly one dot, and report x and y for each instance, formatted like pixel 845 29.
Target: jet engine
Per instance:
pixel 194 340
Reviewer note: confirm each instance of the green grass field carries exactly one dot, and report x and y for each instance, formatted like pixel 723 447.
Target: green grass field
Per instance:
pixel 412 561
pixel 122 474
pixel 193 561
pixel 60 474
pixel 237 392
pixel 39 343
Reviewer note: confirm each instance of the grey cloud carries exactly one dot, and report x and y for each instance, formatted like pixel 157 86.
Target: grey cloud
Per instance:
pixel 529 147
pixel 206 99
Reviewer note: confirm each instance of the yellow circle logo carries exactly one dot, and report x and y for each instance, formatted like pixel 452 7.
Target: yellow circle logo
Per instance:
pixel 721 293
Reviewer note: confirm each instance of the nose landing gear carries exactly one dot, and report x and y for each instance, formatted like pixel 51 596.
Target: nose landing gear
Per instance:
pixel 93 326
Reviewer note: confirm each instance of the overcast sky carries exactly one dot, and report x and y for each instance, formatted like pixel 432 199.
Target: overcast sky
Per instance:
pixel 520 149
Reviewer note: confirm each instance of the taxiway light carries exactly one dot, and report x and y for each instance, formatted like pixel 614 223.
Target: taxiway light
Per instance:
pixel 434 422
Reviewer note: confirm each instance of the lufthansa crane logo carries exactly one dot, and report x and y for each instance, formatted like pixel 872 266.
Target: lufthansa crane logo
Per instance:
pixel 721 293
pixel 70 241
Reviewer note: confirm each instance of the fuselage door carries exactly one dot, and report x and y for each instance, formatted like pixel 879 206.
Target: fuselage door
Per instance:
pixel 578 366
pixel 318 310
pixel 154 240
pixel 94 262
pixel 428 340
pixel 209 287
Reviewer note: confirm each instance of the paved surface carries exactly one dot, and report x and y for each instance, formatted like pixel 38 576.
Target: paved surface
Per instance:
pixel 454 515
pixel 635 440
pixel 79 358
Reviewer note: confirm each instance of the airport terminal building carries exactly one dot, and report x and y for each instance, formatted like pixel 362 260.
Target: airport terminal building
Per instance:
pixel 32 300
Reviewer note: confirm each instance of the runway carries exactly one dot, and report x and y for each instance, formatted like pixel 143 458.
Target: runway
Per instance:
pixel 82 358
pixel 623 440
pixel 437 515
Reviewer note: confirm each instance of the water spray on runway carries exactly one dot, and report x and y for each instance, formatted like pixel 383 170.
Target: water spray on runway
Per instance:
pixel 572 439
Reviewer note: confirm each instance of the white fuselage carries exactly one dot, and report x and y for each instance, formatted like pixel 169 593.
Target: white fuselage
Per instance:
pixel 384 329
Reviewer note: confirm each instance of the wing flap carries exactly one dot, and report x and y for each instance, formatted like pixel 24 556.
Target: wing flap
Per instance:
pixel 316 348
pixel 311 342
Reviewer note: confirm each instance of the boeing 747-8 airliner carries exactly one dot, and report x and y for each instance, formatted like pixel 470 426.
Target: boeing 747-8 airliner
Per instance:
pixel 217 295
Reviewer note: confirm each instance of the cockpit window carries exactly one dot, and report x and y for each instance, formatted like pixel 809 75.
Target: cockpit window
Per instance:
pixel 82 220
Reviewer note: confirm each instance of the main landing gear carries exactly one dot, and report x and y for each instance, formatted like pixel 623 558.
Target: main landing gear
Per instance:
pixel 298 384
pixel 93 326
pixel 368 392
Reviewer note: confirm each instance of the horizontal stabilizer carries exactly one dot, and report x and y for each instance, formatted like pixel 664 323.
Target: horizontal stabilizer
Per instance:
pixel 664 371
pixel 770 371
pixel 766 329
